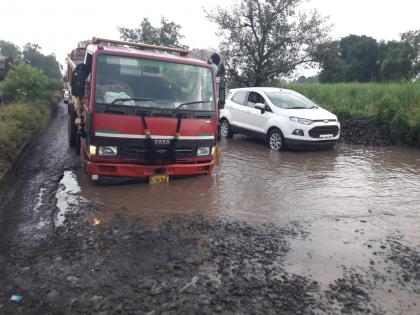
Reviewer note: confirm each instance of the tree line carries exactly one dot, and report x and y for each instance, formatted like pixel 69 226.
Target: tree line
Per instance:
pixel 30 54
pixel 364 59
pixel 264 41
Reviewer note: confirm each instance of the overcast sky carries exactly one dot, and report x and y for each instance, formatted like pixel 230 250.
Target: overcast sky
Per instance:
pixel 58 25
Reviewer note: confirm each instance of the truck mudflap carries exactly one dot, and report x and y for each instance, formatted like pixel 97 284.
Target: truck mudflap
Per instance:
pixel 136 170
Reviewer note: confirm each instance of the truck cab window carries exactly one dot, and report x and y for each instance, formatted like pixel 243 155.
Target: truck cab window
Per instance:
pixel 153 83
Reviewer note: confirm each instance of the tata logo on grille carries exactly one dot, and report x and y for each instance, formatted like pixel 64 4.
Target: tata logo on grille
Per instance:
pixel 162 141
pixel 326 121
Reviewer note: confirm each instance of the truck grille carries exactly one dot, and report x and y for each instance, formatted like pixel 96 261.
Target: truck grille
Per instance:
pixel 160 153
pixel 323 130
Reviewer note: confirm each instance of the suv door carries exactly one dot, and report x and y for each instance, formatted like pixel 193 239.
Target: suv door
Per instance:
pixel 238 108
pixel 256 119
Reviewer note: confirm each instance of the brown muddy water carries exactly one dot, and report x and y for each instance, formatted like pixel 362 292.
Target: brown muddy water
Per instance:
pixel 348 195
pixel 252 183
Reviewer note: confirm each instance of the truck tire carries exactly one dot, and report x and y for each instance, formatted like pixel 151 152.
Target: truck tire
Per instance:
pixel 78 144
pixel 71 127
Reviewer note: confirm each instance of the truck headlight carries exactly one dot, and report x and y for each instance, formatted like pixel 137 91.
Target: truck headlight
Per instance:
pixel 92 149
pixel 303 121
pixel 107 151
pixel 203 151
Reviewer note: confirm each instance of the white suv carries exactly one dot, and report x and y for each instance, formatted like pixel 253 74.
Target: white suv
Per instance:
pixel 281 117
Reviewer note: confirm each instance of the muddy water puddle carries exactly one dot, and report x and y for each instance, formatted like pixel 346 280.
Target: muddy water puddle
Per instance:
pixel 254 184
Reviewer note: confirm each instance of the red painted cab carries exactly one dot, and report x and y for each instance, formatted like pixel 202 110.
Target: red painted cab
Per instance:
pixel 142 111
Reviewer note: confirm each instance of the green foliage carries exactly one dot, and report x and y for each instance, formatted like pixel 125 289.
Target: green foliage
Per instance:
pixel 352 59
pixel 26 84
pixel 394 106
pixel 49 64
pixel 33 93
pixel 9 50
pixel 18 121
pixel 263 40
pixel 17 124
pixel 363 59
pixel 168 34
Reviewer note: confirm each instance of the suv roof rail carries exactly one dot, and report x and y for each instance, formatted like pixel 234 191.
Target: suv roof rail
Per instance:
pixel 181 52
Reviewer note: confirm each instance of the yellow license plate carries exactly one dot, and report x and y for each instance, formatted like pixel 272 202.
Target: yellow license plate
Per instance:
pixel 159 179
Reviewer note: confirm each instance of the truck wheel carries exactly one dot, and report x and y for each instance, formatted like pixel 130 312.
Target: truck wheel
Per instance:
pixel 275 140
pixel 78 144
pixel 71 128
pixel 225 129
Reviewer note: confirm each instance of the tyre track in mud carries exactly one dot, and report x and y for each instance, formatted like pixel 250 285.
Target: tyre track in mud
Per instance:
pixel 27 196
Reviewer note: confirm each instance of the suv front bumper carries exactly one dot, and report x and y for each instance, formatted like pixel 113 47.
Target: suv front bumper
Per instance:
pixel 308 144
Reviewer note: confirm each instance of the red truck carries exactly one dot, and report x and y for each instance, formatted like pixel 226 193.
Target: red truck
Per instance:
pixel 140 110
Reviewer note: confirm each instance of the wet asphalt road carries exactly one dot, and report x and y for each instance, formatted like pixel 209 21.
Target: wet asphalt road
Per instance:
pixel 293 232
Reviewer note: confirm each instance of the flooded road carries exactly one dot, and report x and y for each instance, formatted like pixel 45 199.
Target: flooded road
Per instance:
pixel 347 200
pixel 255 184
pixel 293 232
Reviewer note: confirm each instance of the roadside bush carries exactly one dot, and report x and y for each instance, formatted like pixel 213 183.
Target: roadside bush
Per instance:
pixel 26 84
pixel 386 110
pixel 17 124
pixel 30 96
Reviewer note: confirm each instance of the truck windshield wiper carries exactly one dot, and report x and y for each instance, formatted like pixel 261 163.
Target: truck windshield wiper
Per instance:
pixel 132 99
pixel 192 103
pixel 297 107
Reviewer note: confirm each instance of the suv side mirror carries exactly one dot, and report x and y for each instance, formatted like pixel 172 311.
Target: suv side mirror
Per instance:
pixel 261 107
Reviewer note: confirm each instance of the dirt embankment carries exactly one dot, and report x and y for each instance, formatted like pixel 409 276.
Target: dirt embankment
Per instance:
pixel 363 131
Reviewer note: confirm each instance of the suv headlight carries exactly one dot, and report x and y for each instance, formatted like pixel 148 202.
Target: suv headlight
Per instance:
pixel 303 121
pixel 203 151
pixel 107 151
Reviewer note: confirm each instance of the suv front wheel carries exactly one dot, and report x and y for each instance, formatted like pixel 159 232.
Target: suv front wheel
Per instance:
pixel 275 140
pixel 225 129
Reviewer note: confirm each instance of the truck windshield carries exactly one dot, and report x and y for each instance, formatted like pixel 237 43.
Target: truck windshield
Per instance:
pixel 151 83
pixel 290 100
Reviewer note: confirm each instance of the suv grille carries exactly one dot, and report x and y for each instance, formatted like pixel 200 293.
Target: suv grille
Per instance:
pixel 323 130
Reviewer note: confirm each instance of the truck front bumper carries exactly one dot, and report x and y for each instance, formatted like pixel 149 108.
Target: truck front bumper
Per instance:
pixel 138 170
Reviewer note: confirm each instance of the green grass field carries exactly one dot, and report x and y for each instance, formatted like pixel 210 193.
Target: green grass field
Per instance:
pixel 394 106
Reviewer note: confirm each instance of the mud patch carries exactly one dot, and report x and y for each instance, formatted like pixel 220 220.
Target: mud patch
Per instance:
pixel 408 258
pixel 190 265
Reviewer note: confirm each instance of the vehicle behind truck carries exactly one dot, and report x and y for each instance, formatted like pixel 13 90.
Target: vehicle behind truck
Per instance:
pixel 139 110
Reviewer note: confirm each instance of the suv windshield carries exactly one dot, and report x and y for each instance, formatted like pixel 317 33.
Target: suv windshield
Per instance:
pixel 151 83
pixel 290 100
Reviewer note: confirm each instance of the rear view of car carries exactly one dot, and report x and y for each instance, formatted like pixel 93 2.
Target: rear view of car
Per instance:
pixel 282 117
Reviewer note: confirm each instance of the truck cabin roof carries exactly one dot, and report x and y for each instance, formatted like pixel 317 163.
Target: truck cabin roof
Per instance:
pixel 145 53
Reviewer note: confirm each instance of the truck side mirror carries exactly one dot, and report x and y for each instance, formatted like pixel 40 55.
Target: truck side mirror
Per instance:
pixel 222 93
pixel 78 78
